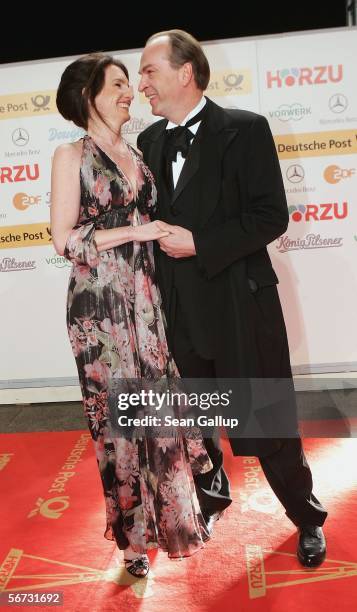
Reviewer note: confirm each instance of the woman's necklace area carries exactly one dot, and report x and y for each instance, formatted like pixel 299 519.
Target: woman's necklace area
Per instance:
pixel 121 149
pixel 123 159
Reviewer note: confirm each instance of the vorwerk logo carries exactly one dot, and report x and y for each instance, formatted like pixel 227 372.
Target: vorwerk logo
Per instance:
pixel 338 103
pixel 20 137
pixel 290 112
pixel 295 173
pixel 58 261
pixel 318 212
pixel 318 75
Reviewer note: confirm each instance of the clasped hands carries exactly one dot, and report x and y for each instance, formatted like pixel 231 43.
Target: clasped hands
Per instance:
pixel 179 241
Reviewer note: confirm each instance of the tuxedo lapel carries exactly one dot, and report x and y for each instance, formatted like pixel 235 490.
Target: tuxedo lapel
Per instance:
pixel 216 136
pixel 210 174
pixel 203 163
pixel 152 145
pixel 153 156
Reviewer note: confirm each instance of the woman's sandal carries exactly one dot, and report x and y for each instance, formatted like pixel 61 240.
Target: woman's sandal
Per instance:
pixel 138 567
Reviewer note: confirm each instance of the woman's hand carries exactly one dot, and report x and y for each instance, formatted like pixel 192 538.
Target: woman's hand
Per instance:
pixel 179 243
pixel 148 231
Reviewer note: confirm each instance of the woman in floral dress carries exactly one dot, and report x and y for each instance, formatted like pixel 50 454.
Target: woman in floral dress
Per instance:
pixel 102 198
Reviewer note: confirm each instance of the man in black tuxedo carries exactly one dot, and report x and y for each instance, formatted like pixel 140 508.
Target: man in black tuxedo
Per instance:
pixel 221 196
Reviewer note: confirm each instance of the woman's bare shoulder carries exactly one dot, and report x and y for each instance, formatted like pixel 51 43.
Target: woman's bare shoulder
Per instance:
pixel 69 151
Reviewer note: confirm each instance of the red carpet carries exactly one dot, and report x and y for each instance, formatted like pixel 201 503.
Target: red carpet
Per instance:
pixel 52 522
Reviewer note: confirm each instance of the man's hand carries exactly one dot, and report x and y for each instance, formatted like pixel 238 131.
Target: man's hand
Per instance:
pixel 179 243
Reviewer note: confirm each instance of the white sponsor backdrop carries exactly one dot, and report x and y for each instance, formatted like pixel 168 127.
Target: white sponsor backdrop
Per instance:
pixel 303 84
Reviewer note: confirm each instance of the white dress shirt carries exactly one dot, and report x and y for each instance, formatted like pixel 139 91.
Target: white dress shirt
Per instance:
pixel 178 164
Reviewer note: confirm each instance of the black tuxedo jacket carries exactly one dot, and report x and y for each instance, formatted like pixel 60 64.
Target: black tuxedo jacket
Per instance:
pixel 230 194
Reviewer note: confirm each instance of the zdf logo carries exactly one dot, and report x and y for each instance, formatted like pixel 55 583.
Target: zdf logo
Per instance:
pixel 334 174
pixel 22 201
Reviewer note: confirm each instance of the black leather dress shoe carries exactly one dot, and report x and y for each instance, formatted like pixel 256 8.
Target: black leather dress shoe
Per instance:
pixel 210 519
pixel 311 550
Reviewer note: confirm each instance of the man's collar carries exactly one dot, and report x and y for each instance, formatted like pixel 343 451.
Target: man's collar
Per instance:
pixel 192 113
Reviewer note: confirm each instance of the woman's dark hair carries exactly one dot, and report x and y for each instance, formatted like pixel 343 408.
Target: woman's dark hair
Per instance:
pixel 185 48
pixel 80 83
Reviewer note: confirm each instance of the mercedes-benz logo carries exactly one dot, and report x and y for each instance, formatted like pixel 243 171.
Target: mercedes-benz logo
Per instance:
pixel 20 137
pixel 295 173
pixel 338 103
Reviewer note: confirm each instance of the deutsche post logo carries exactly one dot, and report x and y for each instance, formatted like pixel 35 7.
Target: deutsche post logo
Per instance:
pixel 28 104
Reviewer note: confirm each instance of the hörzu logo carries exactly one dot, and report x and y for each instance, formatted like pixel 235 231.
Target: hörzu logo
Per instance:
pixel 17 174
pixel 318 212
pixel 318 75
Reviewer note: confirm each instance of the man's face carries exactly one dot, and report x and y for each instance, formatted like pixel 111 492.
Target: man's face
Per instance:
pixel 160 82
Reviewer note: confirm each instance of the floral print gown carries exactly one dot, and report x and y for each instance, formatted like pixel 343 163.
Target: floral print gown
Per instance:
pixel 116 330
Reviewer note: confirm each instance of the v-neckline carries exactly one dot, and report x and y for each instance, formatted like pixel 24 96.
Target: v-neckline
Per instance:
pixel 120 170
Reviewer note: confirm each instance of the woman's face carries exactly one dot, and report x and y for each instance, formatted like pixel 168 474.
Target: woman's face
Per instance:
pixel 113 101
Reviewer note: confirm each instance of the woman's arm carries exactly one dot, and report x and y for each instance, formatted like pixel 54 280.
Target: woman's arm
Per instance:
pixel 65 205
pixel 65 193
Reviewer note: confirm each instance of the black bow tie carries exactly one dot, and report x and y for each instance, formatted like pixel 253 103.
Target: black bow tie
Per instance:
pixel 179 138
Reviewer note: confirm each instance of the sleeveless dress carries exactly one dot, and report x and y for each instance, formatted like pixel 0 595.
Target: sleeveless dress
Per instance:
pixel 116 329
